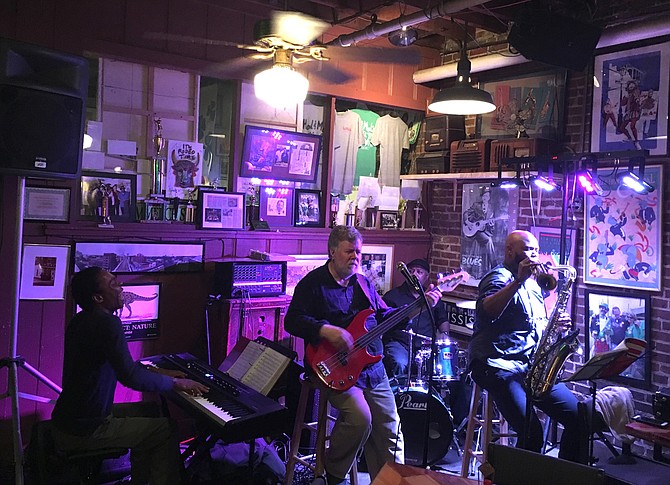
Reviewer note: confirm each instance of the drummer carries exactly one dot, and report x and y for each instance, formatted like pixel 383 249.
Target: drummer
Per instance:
pixel 396 342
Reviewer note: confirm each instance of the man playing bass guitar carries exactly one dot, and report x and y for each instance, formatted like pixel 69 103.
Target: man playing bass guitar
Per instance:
pixel 330 306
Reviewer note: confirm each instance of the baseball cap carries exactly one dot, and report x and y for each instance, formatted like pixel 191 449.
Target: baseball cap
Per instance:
pixel 421 263
pixel 604 305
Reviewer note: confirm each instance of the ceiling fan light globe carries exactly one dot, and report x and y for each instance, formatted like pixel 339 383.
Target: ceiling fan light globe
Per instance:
pixel 462 100
pixel 281 86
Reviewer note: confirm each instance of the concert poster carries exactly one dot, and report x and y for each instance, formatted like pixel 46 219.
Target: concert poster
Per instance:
pixel 489 214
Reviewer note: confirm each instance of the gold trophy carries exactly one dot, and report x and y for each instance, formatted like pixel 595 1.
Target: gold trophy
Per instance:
pixel 159 164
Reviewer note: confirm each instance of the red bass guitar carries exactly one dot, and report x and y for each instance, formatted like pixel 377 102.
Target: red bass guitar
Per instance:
pixel 339 370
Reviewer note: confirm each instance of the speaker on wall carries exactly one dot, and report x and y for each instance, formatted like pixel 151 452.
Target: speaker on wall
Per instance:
pixel 42 110
pixel 541 35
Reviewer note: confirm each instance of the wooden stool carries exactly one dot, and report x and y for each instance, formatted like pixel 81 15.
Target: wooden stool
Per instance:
pixel 314 461
pixel 484 423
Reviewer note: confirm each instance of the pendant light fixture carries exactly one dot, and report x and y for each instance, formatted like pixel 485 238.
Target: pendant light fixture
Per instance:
pixel 462 99
pixel 281 86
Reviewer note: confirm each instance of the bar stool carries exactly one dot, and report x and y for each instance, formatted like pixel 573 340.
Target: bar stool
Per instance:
pixel 484 423
pixel 314 461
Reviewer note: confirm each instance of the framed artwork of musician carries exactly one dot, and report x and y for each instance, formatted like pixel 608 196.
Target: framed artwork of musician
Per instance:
pixel 630 100
pixel 623 233
pixel 489 214
pixel 377 265
pixel 612 317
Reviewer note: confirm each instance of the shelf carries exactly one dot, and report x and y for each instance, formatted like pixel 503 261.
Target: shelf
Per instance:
pixel 458 176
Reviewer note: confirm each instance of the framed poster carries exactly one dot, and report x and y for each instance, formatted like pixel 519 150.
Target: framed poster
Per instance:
pixel 276 206
pixel 610 318
pixel 218 209
pixel 111 192
pixel 308 208
pixel 303 264
pixel 530 105
pixel 377 265
pixel 549 239
pixel 184 168
pixel 137 257
pixel 47 204
pixel 388 219
pixel 140 312
pixel 623 233
pixel 489 214
pixel 630 102
pixel 44 272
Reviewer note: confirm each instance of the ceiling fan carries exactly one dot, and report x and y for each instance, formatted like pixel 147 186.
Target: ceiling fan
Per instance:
pixel 288 39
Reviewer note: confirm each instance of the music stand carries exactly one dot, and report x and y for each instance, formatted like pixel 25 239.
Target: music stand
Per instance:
pixel 606 365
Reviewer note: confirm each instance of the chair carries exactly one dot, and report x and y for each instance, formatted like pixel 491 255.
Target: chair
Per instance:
pixel 314 461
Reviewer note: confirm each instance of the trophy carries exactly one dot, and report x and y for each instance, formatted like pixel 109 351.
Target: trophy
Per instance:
pixel 159 165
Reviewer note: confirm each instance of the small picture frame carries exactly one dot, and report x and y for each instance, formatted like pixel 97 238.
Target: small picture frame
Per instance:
pixel 276 206
pixel 118 191
pixel 218 209
pixel 308 211
pixel 44 271
pixel 388 219
pixel 47 204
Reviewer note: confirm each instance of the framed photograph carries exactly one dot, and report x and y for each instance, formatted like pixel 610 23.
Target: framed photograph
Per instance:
pixel 525 106
pixel 377 265
pixel 47 204
pixel 115 191
pixel 489 214
pixel 549 239
pixel 44 272
pixel 276 206
pixel 308 208
pixel 388 219
pixel 138 257
pixel 280 155
pixel 630 102
pixel 623 233
pixel 218 209
pixel 303 264
pixel 610 318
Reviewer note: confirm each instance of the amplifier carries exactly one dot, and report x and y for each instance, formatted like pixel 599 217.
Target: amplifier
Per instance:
pixel 241 279
pixel 660 405
pixel 469 156
pixel 434 162
pixel 521 147
pixel 442 130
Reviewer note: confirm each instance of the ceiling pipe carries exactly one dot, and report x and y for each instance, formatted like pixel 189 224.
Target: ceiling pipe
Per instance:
pixel 377 30
pixel 610 37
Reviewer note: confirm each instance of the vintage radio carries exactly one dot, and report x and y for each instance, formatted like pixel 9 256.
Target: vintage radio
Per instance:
pixel 434 162
pixel 442 130
pixel 521 147
pixel 660 405
pixel 241 279
pixel 469 156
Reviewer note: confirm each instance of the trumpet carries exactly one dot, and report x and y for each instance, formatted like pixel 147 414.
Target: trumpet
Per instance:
pixel 545 280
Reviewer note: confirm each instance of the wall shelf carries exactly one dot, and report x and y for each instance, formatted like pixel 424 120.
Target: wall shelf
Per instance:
pixel 458 176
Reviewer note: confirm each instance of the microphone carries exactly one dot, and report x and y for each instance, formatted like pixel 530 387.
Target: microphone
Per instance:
pixel 409 277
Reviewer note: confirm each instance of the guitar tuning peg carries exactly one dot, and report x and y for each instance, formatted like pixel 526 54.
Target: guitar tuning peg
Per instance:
pixel 440 276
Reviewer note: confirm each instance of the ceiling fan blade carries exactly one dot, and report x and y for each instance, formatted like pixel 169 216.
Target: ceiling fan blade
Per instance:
pixel 358 53
pixel 327 72
pixel 238 68
pixel 297 28
pixel 201 40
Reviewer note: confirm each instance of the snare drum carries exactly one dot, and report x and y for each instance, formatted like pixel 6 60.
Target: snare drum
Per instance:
pixel 446 367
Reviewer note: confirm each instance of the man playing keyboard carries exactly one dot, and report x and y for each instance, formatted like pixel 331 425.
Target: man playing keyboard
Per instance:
pixel 96 357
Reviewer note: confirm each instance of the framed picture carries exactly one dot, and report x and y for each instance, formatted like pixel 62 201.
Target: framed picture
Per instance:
pixel 630 100
pixel 549 240
pixel 489 214
pixel 276 206
pixel 280 155
pixel 623 233
pixel 184 168
pixel 44 272
pixel 117 192
pixel 610 318
pixel 530 105
pixel 303 264
pixel 388 219
pixel 218 209
pixel 137 257
pixel 308 208
pixel 377 265
pixel 47 204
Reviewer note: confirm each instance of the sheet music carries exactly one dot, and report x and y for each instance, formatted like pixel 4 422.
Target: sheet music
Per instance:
pixel 246 360
pixel 259 367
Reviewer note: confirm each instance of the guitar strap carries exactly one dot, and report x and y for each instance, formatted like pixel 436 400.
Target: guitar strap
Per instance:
pixel 363 284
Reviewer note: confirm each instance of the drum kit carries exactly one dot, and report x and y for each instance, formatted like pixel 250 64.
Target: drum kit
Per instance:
pixel 412 399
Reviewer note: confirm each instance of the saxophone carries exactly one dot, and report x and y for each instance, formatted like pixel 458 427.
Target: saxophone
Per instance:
pixel 554 347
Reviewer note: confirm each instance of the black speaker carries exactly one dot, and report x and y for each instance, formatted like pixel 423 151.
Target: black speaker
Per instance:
pixel 42 110
pixel 541 35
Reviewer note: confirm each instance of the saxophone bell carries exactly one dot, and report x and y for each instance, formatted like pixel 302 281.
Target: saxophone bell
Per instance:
pixel 545 280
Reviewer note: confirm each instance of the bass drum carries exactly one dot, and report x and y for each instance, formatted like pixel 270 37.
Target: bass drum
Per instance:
pixel 412 406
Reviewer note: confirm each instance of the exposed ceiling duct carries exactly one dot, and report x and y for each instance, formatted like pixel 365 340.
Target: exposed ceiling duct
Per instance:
pixel 377 30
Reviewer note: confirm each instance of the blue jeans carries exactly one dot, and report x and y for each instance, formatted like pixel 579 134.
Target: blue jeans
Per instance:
pixel 508 392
